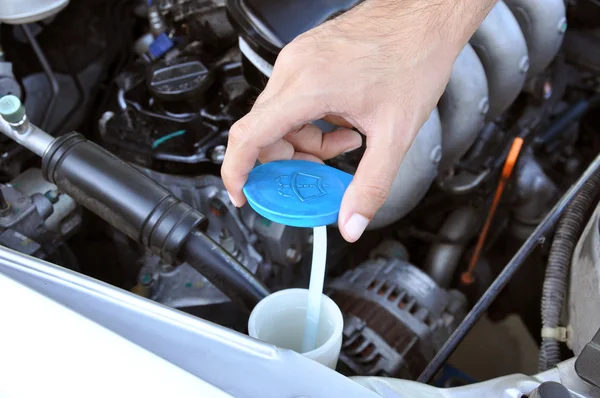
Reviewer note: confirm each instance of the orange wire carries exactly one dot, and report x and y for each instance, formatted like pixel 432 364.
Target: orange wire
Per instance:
pixel 509 165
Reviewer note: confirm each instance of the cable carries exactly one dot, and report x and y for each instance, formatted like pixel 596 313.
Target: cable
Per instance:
pixel 54 87
pixel 167 137
pixel 565 120
pixel 143 111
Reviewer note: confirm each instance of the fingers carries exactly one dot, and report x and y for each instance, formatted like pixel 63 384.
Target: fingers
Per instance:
pixel 281 150
pixel 371 185
pixel 338 121
pixel 310 139
pixel 267 123
pixel 306 156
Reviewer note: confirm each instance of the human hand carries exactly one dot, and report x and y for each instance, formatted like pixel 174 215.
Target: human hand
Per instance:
pixel 381 68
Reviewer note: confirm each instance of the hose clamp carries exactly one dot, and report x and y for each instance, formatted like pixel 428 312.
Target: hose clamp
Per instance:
pixel 558 333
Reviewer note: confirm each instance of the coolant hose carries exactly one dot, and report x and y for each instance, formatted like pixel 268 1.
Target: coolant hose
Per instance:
pixel 567 234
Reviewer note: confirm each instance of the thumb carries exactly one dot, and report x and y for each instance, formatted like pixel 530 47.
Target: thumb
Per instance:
pixel 371 184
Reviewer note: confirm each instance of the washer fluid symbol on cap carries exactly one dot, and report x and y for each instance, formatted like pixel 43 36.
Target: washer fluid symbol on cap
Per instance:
pixel 304 186
pixel 297 192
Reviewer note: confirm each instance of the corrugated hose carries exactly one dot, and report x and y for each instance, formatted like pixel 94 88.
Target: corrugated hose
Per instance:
pixel 566 237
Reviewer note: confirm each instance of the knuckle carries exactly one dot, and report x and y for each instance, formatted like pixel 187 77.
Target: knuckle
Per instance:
pixel 239 133
pixel 375 194
pixel 288 56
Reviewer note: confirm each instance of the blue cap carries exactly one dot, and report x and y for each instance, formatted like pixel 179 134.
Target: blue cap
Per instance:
pixel 160 46
pixel 297 192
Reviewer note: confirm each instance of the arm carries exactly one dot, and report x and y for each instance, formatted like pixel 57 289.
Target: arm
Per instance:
pixel 381 68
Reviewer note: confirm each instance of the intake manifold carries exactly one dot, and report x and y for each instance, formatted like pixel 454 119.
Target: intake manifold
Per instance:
pixel 517 41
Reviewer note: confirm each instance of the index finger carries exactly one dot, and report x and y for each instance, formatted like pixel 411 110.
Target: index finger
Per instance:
pixel 266 123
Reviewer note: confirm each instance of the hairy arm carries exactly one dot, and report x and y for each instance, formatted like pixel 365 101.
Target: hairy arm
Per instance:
pixel 455 20
pixel 418 23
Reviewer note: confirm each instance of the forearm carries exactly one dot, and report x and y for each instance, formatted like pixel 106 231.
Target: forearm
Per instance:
pixel 432 23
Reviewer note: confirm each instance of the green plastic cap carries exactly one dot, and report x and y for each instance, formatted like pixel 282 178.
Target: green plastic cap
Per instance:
pixel 11 109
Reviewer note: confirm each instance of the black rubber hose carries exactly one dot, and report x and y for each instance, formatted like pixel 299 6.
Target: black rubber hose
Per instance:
pixel 227 274
pixel 565 120
pixel 567 234
pixel 147 212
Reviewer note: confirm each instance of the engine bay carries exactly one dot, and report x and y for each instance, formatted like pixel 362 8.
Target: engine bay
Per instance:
pixel 158 84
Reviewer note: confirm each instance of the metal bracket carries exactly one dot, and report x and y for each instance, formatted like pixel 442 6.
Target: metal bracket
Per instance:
pixel 587 365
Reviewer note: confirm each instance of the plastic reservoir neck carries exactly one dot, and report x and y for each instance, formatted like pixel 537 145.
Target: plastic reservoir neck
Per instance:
pixel 315 288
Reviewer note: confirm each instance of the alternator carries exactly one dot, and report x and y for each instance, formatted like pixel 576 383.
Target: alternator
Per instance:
pixel 396 318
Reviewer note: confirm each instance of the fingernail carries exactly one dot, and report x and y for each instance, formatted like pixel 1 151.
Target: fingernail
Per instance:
pixel 231 199
pixel 356 225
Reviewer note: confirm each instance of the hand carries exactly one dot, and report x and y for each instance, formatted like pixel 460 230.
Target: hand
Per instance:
pixel 381 68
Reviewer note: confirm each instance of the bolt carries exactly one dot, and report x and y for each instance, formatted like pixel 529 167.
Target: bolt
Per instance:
pixel 524 64
pixel 293 255
pixel 436 154
pixel 218 154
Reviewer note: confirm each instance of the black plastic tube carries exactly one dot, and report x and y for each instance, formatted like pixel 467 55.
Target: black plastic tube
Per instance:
pixel 538 236
pixel 226 273
pixel 120 194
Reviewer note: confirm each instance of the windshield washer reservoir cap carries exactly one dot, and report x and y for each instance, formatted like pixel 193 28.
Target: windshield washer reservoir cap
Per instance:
pixel 297 193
